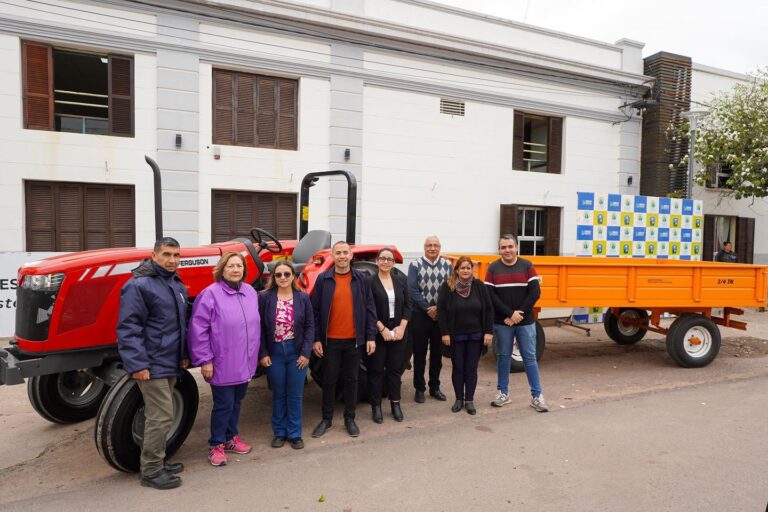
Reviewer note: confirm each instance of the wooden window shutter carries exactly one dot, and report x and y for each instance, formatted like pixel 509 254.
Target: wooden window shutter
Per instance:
pixel 286 217
pixel 223 110
pixel 245 117
pixel 552 231
pixel 96 217
pixel 266 118
pixel 555 146
pixel 745 239
pixel 287 128
pixel 221 223
pixel 243 215
pixel 37 78
pixel 518 132
pixel 121 96
pixel 708 239
pixel 122 217
pixel 508 219
pixel 69 217
pixel 40 218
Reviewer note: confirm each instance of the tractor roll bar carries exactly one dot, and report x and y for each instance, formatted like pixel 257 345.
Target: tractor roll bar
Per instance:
pixel 308 181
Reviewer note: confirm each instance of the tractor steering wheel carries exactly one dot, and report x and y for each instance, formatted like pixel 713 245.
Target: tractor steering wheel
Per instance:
pixel 259 236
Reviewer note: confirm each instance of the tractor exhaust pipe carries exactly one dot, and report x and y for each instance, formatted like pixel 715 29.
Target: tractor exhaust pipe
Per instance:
pixel 158 198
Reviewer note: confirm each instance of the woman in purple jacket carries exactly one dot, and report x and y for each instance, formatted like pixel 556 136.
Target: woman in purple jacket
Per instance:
pixel 288 332
pixel 224 339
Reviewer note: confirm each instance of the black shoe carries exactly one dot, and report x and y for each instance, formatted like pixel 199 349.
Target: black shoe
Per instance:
pixel 161 480
pixel 419 397
pixel 278 441
pixel 397 412
pixel 321 428
pixel 378 416
pixel 351 427
pixel 457 406
pixel 437 394
pixel 173 467
pixel 470 407
pixel 297 443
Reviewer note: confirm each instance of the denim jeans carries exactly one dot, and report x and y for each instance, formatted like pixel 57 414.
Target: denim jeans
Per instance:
pixel 287 384
pixel 526 342
pixel 225 414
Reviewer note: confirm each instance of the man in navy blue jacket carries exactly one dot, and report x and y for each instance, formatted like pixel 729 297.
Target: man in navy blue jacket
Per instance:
pixel 151 339
pixel 345 320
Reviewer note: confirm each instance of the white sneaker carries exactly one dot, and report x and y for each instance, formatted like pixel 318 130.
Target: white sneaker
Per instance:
pixel 539 404
pixel 501 400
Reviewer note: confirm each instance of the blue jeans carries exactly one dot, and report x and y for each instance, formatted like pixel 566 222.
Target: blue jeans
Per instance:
pixel 226 412
pixel 287 384
pixel 526 342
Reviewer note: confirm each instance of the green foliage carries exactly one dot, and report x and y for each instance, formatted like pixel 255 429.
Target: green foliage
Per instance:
pixel 734 135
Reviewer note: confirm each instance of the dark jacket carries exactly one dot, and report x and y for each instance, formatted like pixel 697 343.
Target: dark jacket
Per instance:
pixel 403 303
pixel 362 303
pixel 445 311
pixel 152 323
pixel 303 322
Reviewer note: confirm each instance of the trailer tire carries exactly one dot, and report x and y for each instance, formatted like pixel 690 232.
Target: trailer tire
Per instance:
pixel 621 333
pixel 517 360
pixel 119 423
pixel 66 397
pixel 693 340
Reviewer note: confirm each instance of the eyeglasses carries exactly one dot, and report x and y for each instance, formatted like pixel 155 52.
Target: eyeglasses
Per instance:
pixel 386 260
pixel 279 275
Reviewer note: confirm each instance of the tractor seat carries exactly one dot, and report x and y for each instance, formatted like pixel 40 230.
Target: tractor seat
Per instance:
pixel 314 241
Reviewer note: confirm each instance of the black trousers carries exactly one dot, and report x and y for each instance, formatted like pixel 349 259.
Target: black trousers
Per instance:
pixel 341 359
pixel 386 361
pixel 425 334
pixel 465 354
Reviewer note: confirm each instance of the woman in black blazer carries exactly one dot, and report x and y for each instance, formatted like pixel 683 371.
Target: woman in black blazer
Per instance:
pixel 393 310
pixel 288 330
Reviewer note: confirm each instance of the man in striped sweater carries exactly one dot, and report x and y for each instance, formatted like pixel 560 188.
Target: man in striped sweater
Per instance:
pixel 425 276
pixel 514 287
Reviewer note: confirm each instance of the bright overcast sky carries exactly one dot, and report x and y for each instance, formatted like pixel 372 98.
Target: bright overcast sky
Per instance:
pixel 729 34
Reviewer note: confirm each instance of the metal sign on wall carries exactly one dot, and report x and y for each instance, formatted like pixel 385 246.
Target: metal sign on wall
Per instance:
pixel 626 226
pixel 9 266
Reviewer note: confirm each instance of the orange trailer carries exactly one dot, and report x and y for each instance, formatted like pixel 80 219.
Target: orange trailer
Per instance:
pixel 639 291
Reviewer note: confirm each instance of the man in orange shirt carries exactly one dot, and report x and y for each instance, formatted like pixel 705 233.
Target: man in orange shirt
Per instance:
pixel 345 320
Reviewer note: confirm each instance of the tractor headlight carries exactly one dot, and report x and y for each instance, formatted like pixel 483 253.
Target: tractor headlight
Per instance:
pixel 43 282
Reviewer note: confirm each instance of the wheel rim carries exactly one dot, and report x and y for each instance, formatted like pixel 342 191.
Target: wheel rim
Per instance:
pixel 628 329
pixel 697 341
pixel 516 353
pixel 78 389
pixel 137 426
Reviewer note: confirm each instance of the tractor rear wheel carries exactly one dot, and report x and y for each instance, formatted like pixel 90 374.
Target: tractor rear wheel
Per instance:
pixel 120 421
pixel 66 397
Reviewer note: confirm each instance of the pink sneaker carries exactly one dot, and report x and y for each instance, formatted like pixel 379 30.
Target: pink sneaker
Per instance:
pixel 237 445
pixel 217 456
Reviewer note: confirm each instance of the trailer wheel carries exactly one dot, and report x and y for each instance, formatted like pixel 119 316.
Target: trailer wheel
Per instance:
pixel 625 333
pixel 66 397
pixel 517 360
pixel 693 340
pixel 120 421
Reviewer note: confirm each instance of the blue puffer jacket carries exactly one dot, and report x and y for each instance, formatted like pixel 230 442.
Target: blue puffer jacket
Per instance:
pixel 152 324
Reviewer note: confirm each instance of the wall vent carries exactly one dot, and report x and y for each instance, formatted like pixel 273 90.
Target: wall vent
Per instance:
pixel 451 107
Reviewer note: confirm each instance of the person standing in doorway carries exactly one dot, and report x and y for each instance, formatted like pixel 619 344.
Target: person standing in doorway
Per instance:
pixel 151 334
pixel 514 287
pixel 425 276
pixel 726 255
pixel 345 320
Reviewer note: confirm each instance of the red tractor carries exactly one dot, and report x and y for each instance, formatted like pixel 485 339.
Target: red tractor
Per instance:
pixel 67 306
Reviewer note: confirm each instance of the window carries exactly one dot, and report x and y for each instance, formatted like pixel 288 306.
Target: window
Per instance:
pixel 537 143
pixel 740 231
pixel 78 216
pixel 75 91
pixel 235 213
pixel 718 175
pixel 537 228
pixel 253 110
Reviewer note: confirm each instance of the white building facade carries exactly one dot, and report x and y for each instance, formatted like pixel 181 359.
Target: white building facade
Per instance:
pixel 446 118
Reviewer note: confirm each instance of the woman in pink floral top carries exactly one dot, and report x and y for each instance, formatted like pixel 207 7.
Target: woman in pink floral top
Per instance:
pixel 287 333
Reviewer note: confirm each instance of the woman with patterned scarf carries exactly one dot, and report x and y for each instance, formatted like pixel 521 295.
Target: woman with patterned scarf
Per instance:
pixel 465 317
